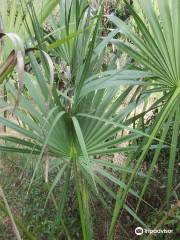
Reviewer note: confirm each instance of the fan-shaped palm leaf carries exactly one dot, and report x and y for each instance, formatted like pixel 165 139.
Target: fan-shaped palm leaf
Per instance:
pixel 158 50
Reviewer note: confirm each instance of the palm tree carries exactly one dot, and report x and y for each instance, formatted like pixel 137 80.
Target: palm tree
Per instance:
pixel 157 50
pixel 68 128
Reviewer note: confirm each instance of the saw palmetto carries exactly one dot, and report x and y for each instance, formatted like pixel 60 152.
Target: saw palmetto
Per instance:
pixel 157 50
pixel 68 128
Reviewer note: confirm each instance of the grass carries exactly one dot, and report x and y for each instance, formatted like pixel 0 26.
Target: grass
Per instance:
pixel 30 206
pixel 40 219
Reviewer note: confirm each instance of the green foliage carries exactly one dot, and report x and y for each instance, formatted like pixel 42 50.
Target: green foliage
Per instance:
pixel 68 118
pixel 156 52
pixel 14 18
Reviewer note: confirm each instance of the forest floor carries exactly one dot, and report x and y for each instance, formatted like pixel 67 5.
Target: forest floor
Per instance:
pixel 15 178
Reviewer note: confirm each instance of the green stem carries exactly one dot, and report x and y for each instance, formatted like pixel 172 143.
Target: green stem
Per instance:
pixel 172 158
pixel 5 99
pixel 79 196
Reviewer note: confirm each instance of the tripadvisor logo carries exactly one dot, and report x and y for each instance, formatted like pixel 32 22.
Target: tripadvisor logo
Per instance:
pixel 139 231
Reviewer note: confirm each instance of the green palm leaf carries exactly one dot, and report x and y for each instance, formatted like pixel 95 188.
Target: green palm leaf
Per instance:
pixel 158 52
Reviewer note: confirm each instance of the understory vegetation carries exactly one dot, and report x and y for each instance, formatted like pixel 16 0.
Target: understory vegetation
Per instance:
pixel 90 119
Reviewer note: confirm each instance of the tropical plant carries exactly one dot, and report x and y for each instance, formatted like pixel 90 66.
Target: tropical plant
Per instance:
pixel 71 116
pixel 68 128
pixel 156 50
pixel 14 16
